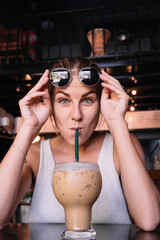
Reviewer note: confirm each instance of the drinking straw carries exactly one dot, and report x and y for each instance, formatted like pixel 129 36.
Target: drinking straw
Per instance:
pixel 76 146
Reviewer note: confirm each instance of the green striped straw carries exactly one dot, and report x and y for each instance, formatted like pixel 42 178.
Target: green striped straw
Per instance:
pixel 76 146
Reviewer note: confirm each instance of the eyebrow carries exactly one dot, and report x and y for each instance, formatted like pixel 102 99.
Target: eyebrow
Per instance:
pixel 84 95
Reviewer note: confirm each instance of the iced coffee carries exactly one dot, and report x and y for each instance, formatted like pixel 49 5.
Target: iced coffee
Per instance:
pixel 77 186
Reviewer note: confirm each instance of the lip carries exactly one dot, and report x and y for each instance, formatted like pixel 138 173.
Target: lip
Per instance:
pixel 79 129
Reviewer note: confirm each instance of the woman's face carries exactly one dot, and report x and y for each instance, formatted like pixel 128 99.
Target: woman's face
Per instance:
pixel 76 106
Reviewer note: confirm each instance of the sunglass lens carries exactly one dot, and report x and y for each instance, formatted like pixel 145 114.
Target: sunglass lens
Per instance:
pixel 60 77
pixel 89 76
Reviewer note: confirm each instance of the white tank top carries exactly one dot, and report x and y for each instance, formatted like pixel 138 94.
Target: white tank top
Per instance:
pixel 109 208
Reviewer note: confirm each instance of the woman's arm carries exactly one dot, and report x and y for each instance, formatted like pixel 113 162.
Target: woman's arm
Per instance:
pixel 35 108
pixel 27 180
pixel 10 175
pixel 141 194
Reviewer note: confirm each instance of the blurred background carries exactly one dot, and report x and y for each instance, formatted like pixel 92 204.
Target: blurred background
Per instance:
pixel 122 37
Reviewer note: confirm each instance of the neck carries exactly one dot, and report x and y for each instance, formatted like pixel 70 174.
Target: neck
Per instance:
pixel 70 149
pixel 88 152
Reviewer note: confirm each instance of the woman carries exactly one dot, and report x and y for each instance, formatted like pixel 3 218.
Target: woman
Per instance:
pixel 75 99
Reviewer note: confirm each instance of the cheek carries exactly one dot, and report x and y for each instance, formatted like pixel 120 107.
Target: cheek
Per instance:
pixel 96 116
pixel 93 114
pixel 61 117
pixel 58 118
pixel 56 115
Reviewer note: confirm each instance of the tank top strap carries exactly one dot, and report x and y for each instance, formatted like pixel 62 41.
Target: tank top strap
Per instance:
pixel 46 153
pixel 106 150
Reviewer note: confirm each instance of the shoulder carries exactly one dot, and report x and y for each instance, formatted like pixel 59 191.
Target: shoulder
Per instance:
pixel 138 147
pixel 33 152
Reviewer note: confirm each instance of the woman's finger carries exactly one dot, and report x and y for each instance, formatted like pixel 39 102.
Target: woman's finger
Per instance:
pixel 107 78
pixel 110 77
pixel 106 93
pixel 114 89
pixel 41 83
pixel 31 97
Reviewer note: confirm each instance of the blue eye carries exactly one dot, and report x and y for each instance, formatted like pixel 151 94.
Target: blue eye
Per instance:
pixel 87 100
pixel 64 101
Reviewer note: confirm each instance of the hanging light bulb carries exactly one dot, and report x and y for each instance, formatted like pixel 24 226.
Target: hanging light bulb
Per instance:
pixel 129 68
pixel 132 108
pixel 135 81
pixel 134 92
pixel 18 89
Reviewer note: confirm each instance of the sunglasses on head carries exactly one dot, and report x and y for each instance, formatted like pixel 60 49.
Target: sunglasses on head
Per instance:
pixel 61 77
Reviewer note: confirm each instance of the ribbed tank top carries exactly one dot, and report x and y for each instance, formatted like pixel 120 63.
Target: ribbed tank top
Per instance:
pixel 110 207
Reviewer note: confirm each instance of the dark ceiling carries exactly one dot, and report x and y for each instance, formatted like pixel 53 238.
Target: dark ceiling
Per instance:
pixel 19 7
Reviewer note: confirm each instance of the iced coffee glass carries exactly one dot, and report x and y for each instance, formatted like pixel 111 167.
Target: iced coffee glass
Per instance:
pixel 77 186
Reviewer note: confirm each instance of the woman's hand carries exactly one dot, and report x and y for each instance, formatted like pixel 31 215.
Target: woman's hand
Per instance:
pixel 114 100
pixel 35 106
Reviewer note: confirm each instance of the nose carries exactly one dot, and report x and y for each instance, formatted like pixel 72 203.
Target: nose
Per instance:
pixel 76 113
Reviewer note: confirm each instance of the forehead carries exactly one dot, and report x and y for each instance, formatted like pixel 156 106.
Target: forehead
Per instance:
pixel 75 86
